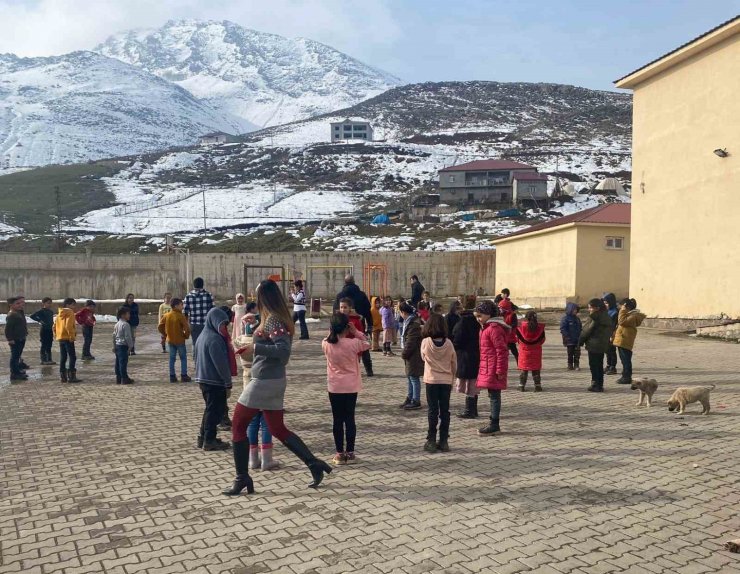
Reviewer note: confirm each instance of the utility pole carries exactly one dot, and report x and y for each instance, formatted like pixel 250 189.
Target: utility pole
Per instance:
pixel 58 198
pixel 203 192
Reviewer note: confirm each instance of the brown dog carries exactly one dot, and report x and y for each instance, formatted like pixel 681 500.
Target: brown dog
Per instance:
pixel 647 388
pixel 687 395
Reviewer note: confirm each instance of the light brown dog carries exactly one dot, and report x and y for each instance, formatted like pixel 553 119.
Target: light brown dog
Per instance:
pixel 647 388
pixel 687 395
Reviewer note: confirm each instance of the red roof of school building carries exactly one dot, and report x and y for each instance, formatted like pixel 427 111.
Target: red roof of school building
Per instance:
pixel 488 164
pixel 530 176
pixel 608 213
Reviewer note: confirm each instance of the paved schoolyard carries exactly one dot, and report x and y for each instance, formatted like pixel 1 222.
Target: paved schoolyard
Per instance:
pixel 100 478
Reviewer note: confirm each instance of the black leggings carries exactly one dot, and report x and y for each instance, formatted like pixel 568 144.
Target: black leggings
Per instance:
pixel 514 351
pixel 574 355
pixel 343 410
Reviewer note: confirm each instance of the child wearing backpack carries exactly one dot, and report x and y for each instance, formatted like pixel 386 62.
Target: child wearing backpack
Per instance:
pixel 440 365
pixel 570 329
pixel 344 382
pixel 530 338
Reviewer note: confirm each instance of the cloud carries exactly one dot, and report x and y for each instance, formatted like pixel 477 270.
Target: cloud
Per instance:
pixel 51 27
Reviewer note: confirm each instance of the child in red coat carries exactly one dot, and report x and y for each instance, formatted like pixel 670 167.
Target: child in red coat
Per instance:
pixel 494 360
pixel 530 338
pixel 508 313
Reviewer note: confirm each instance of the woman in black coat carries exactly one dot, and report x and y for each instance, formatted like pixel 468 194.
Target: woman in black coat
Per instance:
pixel 465 337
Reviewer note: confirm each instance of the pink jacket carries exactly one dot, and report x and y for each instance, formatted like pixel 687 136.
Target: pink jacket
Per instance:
pixel 440 363
pixel 342 365
pixel 494 355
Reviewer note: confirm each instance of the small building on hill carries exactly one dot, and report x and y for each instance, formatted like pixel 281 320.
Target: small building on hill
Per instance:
pixel 351 130
pixel 686 179
pixel 491 183
pixel 215 138
pixel 569 259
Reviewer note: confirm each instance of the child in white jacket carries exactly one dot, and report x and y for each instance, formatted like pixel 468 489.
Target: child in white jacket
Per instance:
pixel 440 365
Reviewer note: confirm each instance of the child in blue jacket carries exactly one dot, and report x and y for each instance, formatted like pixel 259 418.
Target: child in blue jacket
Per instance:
pixel 570 329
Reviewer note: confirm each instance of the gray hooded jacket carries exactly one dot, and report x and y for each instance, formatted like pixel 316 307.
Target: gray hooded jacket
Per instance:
pixel 212 366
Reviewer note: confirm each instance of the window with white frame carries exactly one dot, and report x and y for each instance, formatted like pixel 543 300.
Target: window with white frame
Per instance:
pixel 614 243
pixel 452 179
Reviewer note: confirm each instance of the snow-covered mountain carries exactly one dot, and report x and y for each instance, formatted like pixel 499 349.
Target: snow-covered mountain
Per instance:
pixel 265 79
pixel 83 105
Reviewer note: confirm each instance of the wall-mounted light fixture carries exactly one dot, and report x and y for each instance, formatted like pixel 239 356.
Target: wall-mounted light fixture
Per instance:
pixel 720 152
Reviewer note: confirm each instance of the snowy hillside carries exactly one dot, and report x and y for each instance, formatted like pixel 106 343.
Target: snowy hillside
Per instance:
pixel 265 79
pixel 577 130
pixel 83 106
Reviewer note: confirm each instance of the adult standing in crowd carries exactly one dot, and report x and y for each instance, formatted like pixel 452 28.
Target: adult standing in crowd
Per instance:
pixel 133 318
pixel 360 302
pixel 417 290
pixel 298 298
pixel 16 332
pixel 197 304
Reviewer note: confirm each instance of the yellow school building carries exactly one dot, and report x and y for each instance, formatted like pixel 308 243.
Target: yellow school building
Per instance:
pixel 685 252
pixel 570 259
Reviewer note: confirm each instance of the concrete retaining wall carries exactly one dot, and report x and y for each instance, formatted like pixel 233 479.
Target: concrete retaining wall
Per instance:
pixel 96 276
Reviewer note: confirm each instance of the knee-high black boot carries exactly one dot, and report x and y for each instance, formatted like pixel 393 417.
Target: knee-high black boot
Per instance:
pixel 241 463
pixel 474 406
pixel 537 382
pixel 316 466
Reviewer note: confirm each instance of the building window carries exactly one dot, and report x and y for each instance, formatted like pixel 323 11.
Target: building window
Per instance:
pixel 615 242
pixel 336 128
pixel 452 179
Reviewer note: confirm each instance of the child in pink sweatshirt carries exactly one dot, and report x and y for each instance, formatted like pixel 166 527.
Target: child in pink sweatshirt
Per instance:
pixel 440 365
pixel 341 348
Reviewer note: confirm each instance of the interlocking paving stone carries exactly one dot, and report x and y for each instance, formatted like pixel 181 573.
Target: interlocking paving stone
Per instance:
pixel 100 478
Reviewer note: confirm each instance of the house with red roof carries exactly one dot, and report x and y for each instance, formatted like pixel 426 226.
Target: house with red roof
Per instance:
pixel 494 183
pixel 569 259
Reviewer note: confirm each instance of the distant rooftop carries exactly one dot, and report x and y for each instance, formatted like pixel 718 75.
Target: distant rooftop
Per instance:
pixel 608 213
pixel 489 164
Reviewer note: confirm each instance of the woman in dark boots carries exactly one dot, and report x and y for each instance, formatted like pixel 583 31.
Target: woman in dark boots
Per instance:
pixel 271 348
pixel 596 334
pixel 465 337
pixel 494 361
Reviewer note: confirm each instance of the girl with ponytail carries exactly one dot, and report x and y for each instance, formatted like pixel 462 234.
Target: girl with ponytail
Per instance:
pixel 341 348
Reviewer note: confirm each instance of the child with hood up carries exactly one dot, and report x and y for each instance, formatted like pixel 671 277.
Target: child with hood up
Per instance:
pixel 570 329
pixel 596 335
pixel 611 353
pixel 530 338
pixel 628 320
pixel 213 371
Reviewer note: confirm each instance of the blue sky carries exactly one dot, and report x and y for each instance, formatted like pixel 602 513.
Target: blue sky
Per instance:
pixel 585 43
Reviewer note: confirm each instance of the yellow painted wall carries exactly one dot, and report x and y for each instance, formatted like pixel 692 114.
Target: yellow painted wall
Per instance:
pixel 540 270
pixel 600 270
pixel 686 200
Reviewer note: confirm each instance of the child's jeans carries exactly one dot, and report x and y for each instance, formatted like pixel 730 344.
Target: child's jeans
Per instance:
pixel 180 350
pixel 625 355
pixel 495 398
pixel 67 351
pixel 254 428
pixel 121 362
pixel 414 390
pixel 87 337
